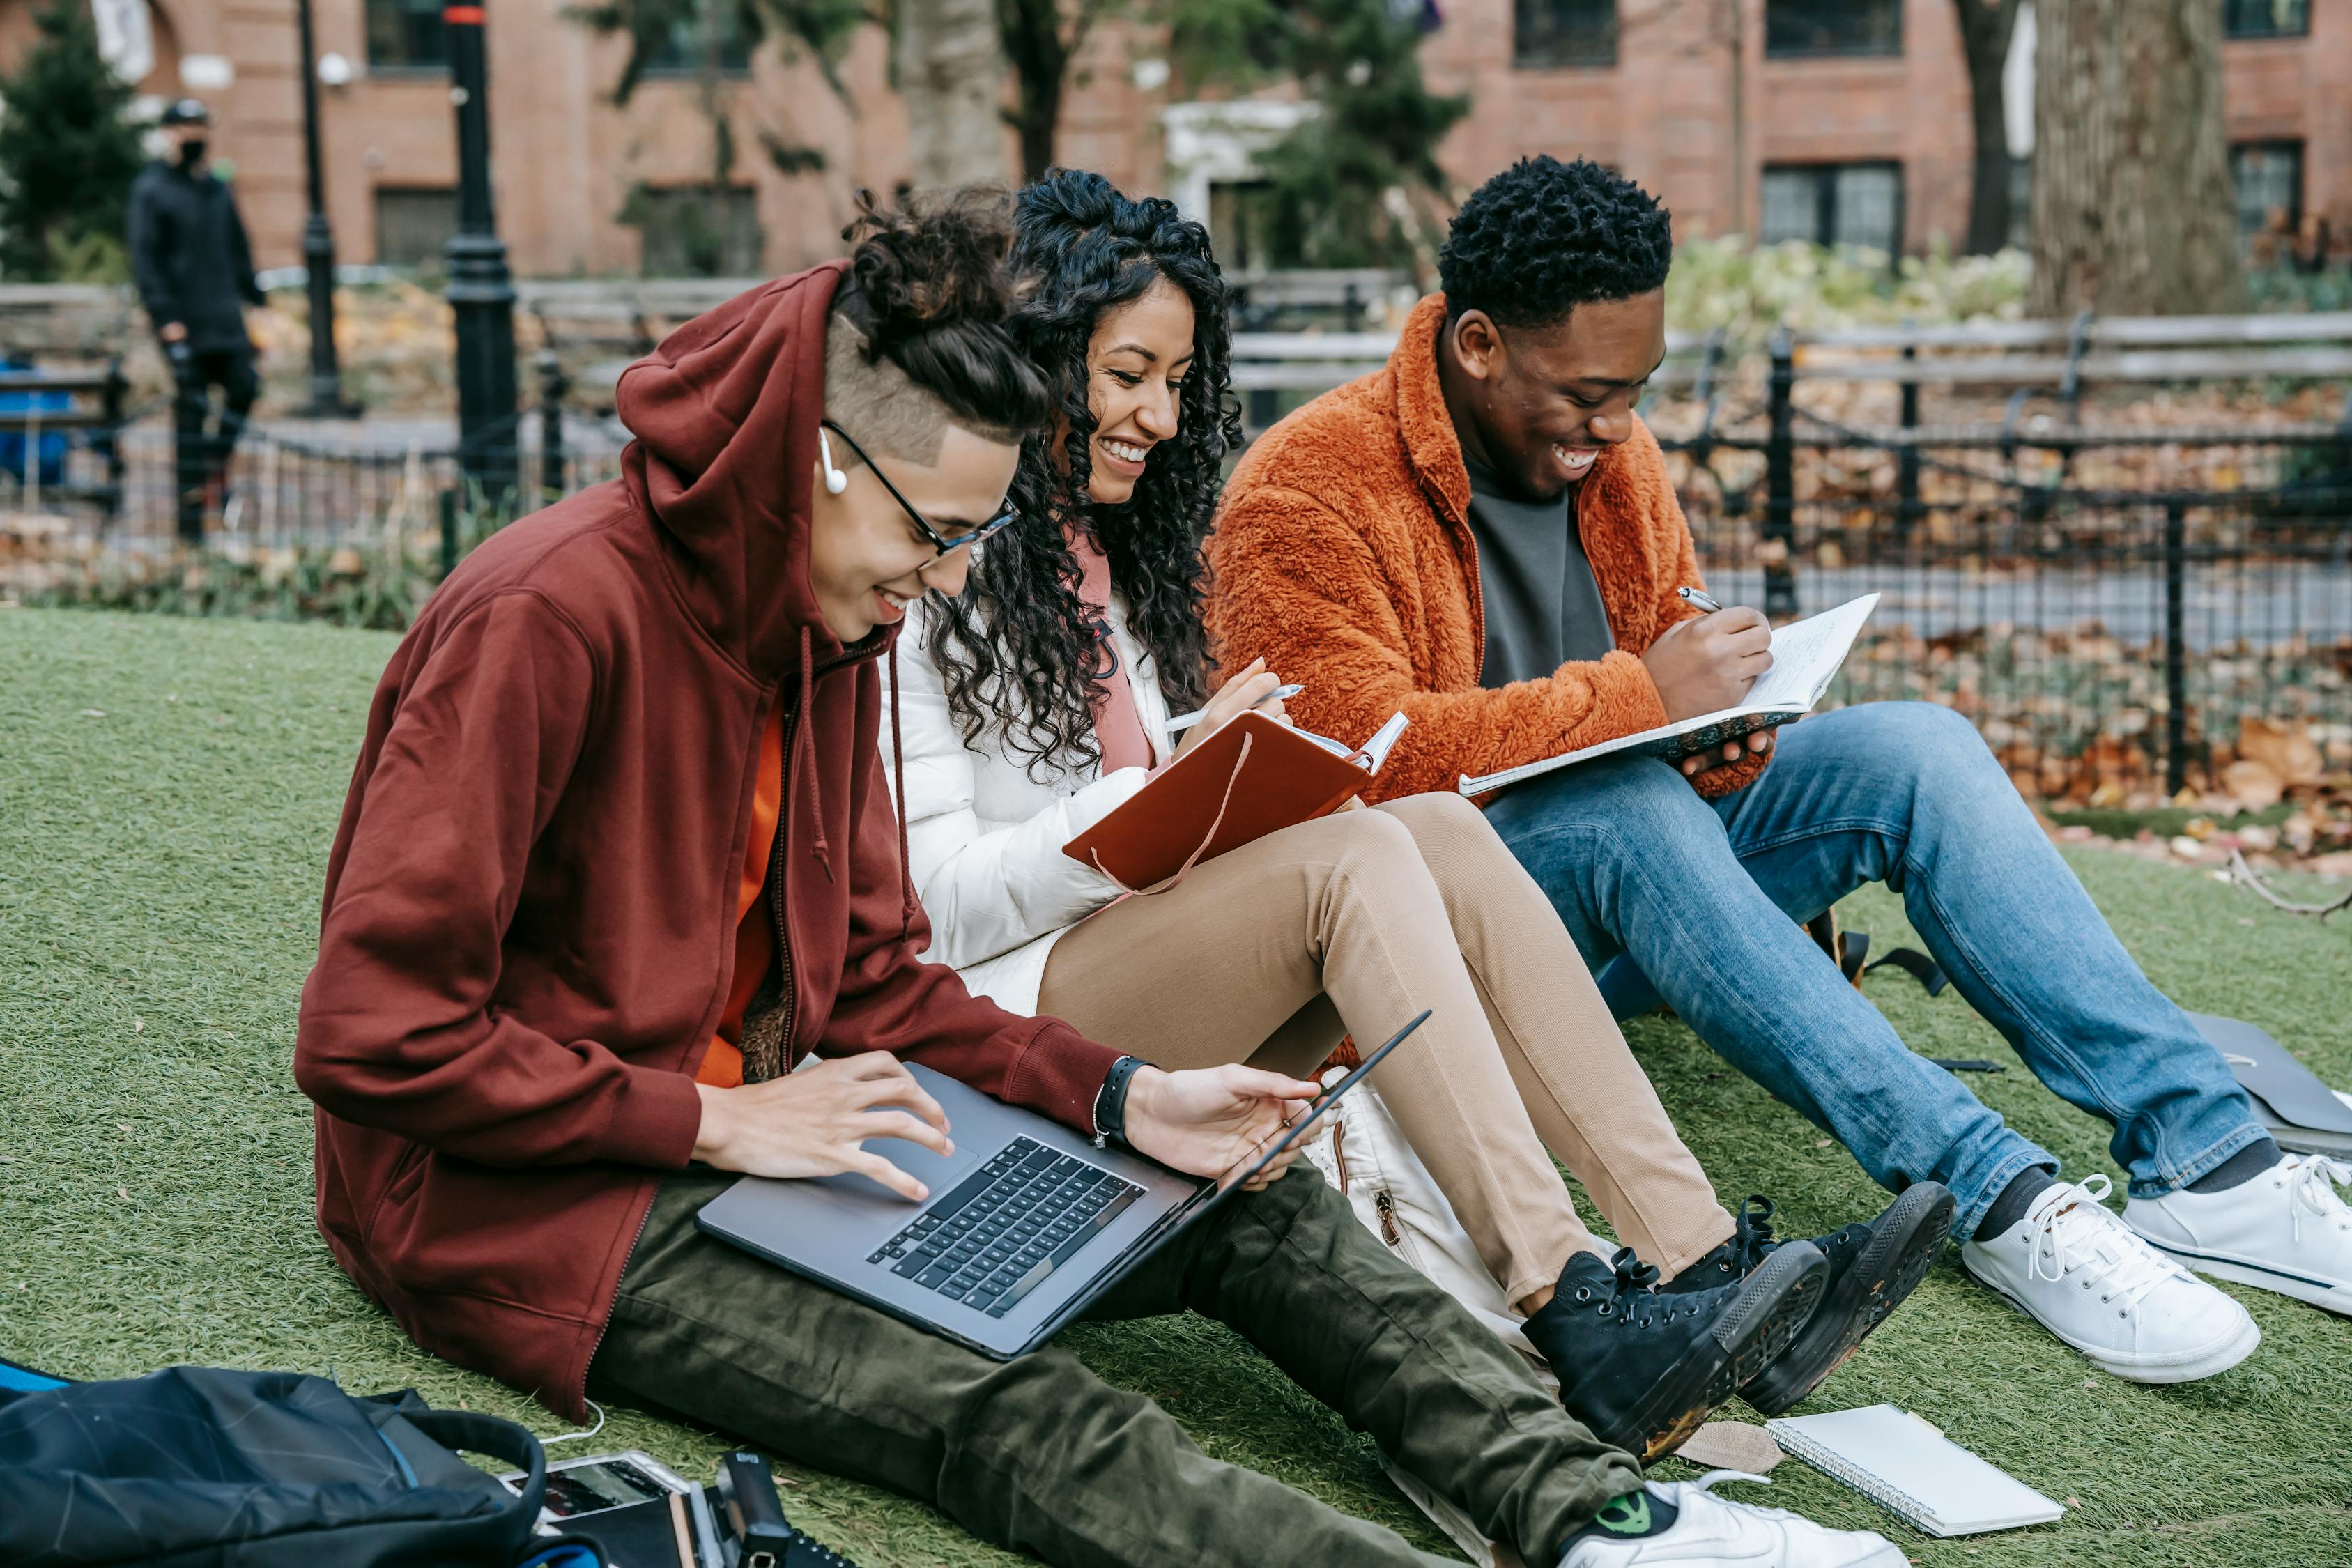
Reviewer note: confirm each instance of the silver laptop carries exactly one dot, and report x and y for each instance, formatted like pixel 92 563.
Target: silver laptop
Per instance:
pixel 1027 1224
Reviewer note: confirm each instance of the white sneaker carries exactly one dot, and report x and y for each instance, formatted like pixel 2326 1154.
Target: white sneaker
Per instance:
pixel 2072 1266
pixel 2286 1230
pixel 1715 1532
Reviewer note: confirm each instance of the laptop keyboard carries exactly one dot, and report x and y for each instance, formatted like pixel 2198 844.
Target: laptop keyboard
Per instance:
pixel 1007 1225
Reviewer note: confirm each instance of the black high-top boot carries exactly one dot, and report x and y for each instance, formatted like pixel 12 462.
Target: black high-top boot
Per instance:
pixel 1643 1368
pixel 1872 1268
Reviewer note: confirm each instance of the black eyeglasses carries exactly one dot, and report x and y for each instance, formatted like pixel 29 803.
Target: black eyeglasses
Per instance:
pixel 944 544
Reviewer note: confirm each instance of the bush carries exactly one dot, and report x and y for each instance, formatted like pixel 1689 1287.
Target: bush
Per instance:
pixel 68 153
pixel 1747 289
pixel 377 580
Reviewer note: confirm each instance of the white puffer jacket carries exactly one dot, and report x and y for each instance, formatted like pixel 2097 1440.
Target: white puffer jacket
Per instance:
pixel 984 845
pixel 984 835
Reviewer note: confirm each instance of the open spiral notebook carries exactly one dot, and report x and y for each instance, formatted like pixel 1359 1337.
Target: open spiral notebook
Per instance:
pixel 1909 1468
pixel 1806 656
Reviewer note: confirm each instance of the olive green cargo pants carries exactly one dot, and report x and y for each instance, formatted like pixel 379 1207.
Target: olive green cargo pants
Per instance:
pixel 1041 1455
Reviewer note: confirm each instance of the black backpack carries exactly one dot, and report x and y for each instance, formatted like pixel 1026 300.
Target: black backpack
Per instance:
pixel 200 1468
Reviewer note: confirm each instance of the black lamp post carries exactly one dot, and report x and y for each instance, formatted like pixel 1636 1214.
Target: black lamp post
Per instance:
pixel 481 290
pixel 326 400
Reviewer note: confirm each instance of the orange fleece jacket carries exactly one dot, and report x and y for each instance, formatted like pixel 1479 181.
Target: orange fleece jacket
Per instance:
pixel 1343 557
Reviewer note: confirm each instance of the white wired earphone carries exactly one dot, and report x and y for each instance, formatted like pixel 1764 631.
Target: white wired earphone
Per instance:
pixel 836 481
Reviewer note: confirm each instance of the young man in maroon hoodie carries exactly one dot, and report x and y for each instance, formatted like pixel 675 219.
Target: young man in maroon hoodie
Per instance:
pixel 619 854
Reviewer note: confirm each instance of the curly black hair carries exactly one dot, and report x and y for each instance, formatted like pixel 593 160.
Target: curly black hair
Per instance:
pixel 1017 651
pixel 931 287
pixel 1543 236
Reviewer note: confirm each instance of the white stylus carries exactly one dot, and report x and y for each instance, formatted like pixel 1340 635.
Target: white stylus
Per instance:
pixel 1184 721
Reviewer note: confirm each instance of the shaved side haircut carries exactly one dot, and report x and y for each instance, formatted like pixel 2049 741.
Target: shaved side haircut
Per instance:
pixel 886 410
pixel 919 337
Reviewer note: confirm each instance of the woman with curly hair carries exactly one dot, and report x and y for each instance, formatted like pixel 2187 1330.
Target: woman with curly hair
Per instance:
pixel 1038 700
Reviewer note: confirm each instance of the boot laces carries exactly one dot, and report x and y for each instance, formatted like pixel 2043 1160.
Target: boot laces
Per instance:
pixel 2075 1229
pixel 1635 1298
pixel 1753 1238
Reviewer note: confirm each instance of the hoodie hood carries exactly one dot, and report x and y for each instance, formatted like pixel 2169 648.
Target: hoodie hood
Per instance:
pixel 725 414
pixel 532 903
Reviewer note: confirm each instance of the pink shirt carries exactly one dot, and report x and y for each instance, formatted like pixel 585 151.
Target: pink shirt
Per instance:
pixel 1119 726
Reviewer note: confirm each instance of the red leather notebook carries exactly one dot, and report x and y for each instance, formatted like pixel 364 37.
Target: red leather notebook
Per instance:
pixel 1254 777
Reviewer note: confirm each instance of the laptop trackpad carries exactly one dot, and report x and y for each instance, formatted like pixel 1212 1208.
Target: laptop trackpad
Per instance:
pixel 935 1173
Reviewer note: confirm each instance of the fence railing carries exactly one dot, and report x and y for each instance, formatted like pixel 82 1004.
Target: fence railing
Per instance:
pixel 2109 600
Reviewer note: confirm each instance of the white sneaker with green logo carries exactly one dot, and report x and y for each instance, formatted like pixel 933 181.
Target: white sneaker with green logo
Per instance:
pixel 1709 1532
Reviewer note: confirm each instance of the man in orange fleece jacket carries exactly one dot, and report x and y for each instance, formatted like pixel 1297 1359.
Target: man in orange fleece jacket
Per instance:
pixel 1484 535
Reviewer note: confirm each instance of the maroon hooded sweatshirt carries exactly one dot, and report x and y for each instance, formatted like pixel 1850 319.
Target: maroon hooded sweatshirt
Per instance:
pixel 530 905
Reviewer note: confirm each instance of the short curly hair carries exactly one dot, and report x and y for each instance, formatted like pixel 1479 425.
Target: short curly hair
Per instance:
pixel 1543 236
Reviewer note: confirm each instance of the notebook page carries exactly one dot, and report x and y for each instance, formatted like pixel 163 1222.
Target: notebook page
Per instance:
pixel 1376 750
pixel 1902 1462
pixel 1806 654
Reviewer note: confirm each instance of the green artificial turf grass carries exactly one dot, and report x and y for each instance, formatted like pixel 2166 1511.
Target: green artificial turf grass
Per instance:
pixel 167 792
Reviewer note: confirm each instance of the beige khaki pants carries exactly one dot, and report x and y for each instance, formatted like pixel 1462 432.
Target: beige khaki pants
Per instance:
pixel 1409 905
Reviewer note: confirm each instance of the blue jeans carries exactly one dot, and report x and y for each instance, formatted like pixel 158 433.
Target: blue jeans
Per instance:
pixel 1699 895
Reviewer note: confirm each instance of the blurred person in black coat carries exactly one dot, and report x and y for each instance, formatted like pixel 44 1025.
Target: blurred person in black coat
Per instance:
pixel 194 269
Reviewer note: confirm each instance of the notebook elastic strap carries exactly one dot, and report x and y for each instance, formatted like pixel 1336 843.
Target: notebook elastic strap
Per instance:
pixel 1199 849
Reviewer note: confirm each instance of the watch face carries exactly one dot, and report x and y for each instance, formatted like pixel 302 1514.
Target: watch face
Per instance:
pixel 592 1488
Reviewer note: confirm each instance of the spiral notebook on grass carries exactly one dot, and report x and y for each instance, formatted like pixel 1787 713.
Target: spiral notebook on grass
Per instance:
pixel 1806 657
pixel 1254 777
pixel 1908 1466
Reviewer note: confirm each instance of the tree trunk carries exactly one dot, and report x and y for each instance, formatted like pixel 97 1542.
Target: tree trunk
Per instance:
pixel 2133 212
pixel 1040 54
pixel 1985 29
pixel 952 73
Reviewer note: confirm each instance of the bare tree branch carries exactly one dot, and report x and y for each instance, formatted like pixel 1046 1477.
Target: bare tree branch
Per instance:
pixel 2241 872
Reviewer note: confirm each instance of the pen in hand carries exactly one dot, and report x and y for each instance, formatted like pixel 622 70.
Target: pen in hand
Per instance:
pixel 1694 597
pixel 1184 721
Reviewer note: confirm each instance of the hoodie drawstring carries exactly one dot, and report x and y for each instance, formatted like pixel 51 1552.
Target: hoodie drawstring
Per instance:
pixel 818 846
pixel 898 786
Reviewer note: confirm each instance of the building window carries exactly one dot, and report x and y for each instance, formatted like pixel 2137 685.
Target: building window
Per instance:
pixel 2265 19
pixel 1796 28
pixel 1834 203
pixel 1551 34
pixel 412 224
pixel 2268 176
pixel 696 231
pixel 405 34
pixel 679 50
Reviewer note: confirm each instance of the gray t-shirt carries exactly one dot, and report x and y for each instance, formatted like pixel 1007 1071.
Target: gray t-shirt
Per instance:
pixel 1543 604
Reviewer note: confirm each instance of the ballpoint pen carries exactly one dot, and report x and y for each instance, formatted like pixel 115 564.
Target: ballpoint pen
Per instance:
pixel 1184 721
pixel 1692 596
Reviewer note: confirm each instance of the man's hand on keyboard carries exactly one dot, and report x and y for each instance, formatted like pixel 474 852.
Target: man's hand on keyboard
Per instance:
pixel 811 1123
pixel 1207 1120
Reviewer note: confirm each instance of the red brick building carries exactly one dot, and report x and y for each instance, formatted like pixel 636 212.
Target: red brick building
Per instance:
pixel 1834 119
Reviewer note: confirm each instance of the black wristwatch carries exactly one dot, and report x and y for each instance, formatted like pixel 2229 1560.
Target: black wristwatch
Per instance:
pixel 1110 1102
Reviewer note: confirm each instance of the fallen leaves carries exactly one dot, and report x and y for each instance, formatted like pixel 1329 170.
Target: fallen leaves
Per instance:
pixel 2252 785
pixel 2287 752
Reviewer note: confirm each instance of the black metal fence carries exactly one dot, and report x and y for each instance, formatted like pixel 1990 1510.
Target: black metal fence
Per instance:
pixel 120 487
pixel 2109 603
